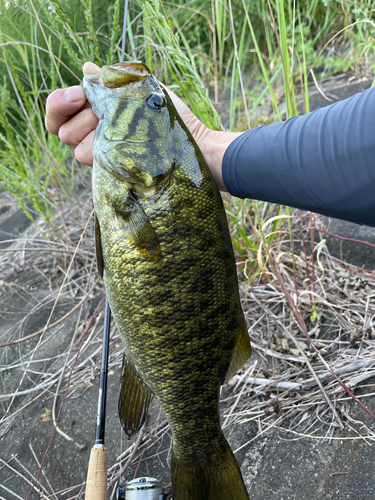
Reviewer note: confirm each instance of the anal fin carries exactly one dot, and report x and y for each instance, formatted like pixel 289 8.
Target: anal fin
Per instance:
pixel 241 351
pixel 134 400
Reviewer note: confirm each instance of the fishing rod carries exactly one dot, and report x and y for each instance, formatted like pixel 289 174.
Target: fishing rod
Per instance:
pixel 144 488
pixel 96 484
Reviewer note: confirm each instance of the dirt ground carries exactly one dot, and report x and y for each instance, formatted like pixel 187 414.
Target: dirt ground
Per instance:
pixel 275 463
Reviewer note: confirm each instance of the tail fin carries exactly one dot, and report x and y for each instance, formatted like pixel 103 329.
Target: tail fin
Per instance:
pixel 218 480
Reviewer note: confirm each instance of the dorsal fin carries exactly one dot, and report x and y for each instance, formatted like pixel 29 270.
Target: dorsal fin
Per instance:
pixel 134 399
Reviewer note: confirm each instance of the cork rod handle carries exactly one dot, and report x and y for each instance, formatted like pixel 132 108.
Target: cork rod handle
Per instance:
pixel 96 486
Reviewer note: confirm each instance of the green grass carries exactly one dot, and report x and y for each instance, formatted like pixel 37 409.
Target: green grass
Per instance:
pixel 198 48
pixel 43 47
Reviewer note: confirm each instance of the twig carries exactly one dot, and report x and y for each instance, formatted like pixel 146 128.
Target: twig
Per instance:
pixel 66 391
pixel 338 438
pixel 303 328
pixel 275 354
pixel 11 492
pixel 45 477
pixel 40 488
pixel 317 86
pixel 117 476
pixel 318 382
pixel 270 382
pixel 245 376
pixel 45 385
pixel 35 334
pixel 345 238
pixel 53 434
pixel 54 420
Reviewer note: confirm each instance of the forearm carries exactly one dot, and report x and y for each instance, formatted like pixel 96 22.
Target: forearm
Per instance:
pixel 323 162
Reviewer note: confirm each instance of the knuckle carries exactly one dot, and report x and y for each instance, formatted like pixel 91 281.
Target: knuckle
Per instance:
pixel 83 154
pixel 66 135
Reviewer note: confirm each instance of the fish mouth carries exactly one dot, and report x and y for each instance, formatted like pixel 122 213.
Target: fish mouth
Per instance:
pixel 121 74
pixel 146 141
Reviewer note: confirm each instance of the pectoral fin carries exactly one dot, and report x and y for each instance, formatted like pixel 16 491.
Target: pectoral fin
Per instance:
pixel 134 400
pixel 98 245
pixel 241 351
pixel 139 230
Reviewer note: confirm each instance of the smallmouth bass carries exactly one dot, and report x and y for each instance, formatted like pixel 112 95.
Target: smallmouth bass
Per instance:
pixel 164 250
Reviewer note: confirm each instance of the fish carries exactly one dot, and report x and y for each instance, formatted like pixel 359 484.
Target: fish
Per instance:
pixel 164 250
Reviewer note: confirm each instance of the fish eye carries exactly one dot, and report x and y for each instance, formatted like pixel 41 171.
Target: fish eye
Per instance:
pixel 155 101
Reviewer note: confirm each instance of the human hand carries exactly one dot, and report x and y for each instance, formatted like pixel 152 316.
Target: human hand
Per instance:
pixel 69 115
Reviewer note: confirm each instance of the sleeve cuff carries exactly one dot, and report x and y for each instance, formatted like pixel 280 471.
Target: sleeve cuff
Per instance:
pixel 230 178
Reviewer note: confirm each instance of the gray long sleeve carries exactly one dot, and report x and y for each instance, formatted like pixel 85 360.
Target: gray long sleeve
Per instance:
pixel 323 161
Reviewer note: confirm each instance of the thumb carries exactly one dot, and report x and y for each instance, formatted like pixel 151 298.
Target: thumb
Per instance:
pixel 90 68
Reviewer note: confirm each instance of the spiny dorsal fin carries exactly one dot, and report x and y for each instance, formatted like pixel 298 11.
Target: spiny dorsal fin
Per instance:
pixel 134 400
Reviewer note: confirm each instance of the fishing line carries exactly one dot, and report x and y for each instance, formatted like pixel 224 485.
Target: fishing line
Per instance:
pixel 96 484
pixel 122 56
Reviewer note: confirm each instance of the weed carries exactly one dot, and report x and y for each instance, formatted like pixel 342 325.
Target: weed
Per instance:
pixel 214 45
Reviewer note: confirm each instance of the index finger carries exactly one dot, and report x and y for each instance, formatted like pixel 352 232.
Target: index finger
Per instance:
pixel 61 105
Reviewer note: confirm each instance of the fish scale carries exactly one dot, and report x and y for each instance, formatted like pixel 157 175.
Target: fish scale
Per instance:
pixel 164 249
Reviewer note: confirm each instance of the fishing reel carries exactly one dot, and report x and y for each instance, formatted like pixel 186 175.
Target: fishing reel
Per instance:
pixel 141 488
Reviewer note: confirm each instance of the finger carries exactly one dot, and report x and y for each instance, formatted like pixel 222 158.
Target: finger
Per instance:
pixel 90 68
pixel 178 103
pixel 61 105
pixel 191 121
pixel 83 151
pixel 77 128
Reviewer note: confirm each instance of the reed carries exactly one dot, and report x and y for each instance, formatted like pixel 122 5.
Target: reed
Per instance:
pixel 237 63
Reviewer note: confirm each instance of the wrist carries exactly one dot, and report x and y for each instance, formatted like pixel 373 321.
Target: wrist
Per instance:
pixel 213 145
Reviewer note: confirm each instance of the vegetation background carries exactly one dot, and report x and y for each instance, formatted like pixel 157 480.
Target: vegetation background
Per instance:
pixel 238 64
pixel 246 53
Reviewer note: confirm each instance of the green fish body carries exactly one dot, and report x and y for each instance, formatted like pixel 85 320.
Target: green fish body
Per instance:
pixel 164 250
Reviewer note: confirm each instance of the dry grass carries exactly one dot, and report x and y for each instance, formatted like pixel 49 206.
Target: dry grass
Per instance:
pixel 285 386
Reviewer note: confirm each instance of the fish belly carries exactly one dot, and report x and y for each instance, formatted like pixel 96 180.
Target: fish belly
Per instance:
pixel 179 318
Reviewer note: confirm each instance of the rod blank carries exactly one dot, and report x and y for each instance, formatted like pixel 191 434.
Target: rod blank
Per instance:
pixel 96 485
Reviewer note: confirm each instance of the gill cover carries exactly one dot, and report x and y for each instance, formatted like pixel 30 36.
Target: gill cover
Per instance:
pixel 136 139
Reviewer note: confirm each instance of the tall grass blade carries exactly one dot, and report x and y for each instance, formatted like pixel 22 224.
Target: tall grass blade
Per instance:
pixel 180 66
